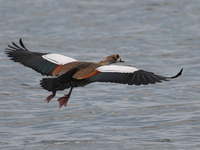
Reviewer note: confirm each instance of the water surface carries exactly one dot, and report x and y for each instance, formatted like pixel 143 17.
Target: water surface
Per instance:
pixel 158 35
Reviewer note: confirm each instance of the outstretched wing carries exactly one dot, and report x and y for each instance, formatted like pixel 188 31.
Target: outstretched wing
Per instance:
pixel 127 75
pixel 44 63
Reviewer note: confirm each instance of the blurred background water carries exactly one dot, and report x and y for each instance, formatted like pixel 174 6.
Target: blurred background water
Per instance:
pixel 161 36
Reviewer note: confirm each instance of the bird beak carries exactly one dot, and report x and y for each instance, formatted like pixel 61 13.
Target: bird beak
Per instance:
pixel 121 60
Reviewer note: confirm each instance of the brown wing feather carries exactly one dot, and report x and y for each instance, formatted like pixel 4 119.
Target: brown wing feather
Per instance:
pixel 61 69
pixel 86 70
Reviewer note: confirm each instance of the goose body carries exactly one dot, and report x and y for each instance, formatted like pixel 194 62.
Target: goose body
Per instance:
pixel 68 72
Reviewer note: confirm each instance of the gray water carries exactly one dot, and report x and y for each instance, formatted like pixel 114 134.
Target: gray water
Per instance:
pixel 161 36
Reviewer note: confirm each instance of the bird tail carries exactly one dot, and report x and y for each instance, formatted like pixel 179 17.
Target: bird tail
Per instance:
pixel 59 83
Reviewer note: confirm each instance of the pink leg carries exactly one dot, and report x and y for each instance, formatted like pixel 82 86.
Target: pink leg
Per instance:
pixel 63 100
pixel 48 99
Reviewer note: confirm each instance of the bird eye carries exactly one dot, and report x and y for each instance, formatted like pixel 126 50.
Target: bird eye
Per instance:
pixel 117 56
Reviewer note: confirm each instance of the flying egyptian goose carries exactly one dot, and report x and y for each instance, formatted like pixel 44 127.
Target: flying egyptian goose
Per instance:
pixel 70 73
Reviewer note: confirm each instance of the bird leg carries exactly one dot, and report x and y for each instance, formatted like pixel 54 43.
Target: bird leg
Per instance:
pixel 48 99
pixel 63 100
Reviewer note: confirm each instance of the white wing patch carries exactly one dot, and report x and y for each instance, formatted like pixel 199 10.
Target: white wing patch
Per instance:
pixel 115 68
pixel 58 59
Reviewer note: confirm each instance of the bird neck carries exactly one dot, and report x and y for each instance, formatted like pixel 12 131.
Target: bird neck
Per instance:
pixel 105 63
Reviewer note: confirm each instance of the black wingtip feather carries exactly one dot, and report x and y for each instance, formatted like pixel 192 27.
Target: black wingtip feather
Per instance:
pixel 22 44
pixel 15 47
pixel 19 53
pixel 178 74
